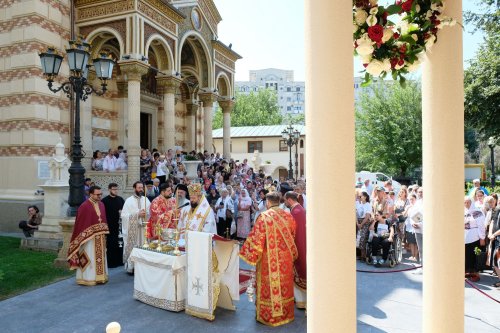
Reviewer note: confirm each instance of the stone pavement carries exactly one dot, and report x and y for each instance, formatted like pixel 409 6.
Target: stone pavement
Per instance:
pixel 386 303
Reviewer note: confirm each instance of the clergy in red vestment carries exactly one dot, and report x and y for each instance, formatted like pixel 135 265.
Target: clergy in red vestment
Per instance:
pixel 87 250
pixel 299 215
pixel 161 211
pixel 271 247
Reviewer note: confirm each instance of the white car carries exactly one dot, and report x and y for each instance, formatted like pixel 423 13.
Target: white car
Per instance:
pixel 376 179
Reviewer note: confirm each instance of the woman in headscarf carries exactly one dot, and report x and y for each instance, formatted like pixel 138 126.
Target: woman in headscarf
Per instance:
pixel 244 224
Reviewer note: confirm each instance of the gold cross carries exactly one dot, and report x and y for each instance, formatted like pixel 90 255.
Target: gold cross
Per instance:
pixel 198 216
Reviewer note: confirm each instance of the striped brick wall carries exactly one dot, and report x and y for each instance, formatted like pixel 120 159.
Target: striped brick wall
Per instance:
pixel 27 29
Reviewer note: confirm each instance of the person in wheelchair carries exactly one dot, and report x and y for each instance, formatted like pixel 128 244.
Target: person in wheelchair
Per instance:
pixel 382 236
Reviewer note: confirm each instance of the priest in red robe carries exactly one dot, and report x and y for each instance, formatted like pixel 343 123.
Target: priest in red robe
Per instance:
pixel 87 250
pixel 271 247
pixel 161 212
pixel 299 215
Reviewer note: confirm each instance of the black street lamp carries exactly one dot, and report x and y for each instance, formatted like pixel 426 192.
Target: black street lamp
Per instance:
pixel 491 144
pixel 291 137
pixel 78 55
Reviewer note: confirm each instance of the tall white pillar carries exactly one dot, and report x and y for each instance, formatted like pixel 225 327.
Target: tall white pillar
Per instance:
pixel 331 270
pixel 134 70
pixel 208 106
pixel 169 86
pixel 200 114
pixel 227 107
pixel 191 109
pixel 443 159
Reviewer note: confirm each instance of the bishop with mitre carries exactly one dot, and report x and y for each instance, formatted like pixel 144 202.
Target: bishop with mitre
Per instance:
pixel 198 216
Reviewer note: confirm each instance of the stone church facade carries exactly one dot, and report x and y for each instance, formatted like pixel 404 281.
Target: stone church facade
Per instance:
pixel 171 72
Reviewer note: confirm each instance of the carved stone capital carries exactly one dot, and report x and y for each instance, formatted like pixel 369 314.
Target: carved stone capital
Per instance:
pixel 208 99
pixel 168 84
pixel 191 109
pixel 122 88
pixel 227 106
pixel 133 69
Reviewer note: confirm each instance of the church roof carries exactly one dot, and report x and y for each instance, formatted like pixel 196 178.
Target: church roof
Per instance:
pixel 257 131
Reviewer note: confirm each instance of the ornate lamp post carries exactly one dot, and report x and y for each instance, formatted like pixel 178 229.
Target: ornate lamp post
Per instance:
pixel 76 88
pixel 291 137
pixel 491 144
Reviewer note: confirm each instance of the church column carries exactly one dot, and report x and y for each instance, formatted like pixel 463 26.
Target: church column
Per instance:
pixel 443 159
pixel 208 106
pixel 227 107
pixel 133 70
pixel 191 109
pixel 169 85
pixel 199 127
pixel 331 265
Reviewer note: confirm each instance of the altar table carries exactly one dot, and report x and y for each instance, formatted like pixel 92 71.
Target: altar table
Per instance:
pixel 160 279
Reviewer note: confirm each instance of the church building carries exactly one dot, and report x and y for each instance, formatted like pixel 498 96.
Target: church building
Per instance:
pixel 171 72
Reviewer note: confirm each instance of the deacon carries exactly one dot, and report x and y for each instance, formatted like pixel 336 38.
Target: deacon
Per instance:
pixel 162 211
pixel 299 215
pixel 271 247
pixel 198 216
pixel 87 250
pixel 134 217
pixel 113 204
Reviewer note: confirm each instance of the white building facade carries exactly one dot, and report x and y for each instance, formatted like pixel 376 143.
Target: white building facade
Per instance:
pixel 273 152
pixel 291 94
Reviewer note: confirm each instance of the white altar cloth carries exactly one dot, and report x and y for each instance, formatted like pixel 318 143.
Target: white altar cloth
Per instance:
pixel 159 279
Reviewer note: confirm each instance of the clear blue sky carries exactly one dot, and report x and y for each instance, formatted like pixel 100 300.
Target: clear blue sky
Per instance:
pixel 270 34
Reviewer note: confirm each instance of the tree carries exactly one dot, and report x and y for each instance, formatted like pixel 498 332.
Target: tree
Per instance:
pixel 254 109
pixel 389 128
pixel 482 78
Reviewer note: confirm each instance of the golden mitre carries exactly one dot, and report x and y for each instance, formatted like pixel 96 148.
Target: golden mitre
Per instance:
pixel 194 189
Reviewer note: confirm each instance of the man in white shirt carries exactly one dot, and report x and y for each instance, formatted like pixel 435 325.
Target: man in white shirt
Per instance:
pixel 109 163
pixel 225 209
pixel 367 187
pixel 474 235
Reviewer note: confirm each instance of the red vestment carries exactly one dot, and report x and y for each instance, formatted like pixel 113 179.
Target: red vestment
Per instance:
pixel 299 215
pixel 161 212
pixel 90 223
pixel 270 246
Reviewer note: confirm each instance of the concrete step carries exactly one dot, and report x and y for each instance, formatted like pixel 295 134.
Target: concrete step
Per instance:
pixel 41 244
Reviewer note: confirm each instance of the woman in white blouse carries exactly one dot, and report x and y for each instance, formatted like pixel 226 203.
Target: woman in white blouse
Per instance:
pixel 363 216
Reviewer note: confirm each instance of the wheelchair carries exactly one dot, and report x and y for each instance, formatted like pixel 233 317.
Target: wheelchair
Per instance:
pixel 395 251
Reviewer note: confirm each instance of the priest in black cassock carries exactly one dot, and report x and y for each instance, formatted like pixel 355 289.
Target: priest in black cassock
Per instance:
pixel 114 204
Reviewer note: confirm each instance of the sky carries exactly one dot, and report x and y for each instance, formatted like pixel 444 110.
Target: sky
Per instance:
pixel 270 34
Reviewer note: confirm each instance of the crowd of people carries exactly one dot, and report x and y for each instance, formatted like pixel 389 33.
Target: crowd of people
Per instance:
pixel 382 214
pixel 226 197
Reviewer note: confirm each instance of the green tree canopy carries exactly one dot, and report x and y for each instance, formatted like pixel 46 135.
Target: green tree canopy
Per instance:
pixel 389 128
pixel 482 78
pixel 255 109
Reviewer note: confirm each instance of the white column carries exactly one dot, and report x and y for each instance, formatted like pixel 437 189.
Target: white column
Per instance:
pixel 200 128
pixel 134 71
pixel 208 107
pixel 191 126
pixel 331 270
pixel 169 86
pixel 227 107
pixel 443 159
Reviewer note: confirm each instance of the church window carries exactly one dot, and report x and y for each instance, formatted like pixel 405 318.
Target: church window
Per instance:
pixel 254 145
